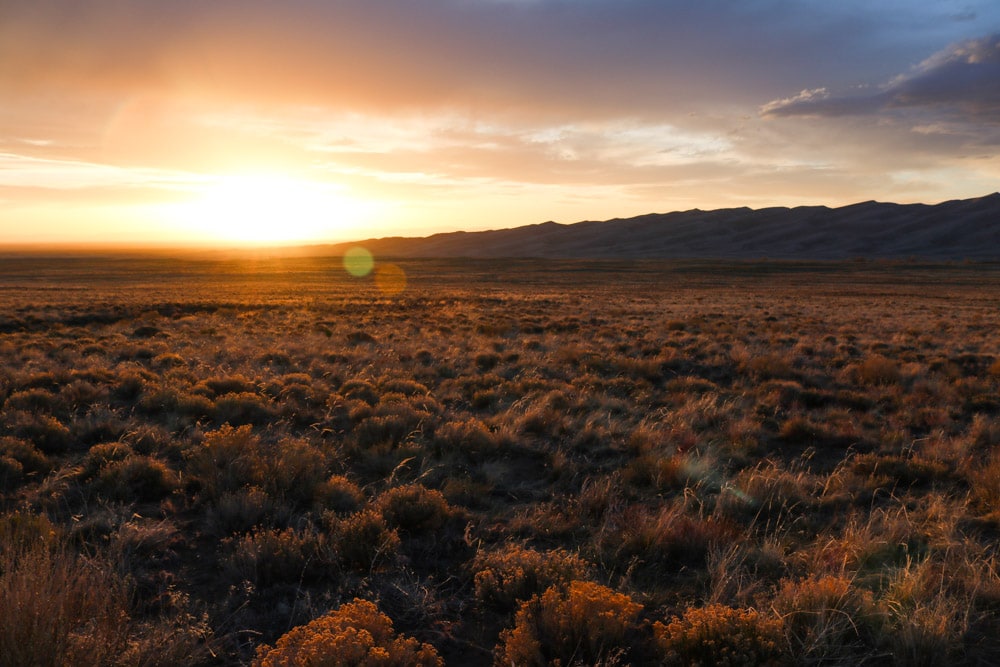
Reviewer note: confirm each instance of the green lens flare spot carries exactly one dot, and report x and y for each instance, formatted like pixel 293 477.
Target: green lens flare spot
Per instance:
pixel 358 262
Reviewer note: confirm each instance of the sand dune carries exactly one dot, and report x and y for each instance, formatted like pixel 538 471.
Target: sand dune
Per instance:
pixel 952 230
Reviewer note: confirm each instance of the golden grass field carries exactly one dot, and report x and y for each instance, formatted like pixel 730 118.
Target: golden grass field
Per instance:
pixel 215 461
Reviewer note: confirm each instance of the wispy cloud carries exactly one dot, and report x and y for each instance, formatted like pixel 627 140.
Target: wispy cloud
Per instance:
pixel 27 171
pixel 960 82
pixel 492 112
pixel 578 58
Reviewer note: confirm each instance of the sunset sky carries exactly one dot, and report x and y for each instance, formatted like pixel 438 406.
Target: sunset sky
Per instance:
pixel 308 121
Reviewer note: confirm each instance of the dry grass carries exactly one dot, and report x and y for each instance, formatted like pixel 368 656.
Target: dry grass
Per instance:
pixel 504 458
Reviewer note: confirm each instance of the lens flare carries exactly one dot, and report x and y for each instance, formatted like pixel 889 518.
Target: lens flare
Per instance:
pixel 358 262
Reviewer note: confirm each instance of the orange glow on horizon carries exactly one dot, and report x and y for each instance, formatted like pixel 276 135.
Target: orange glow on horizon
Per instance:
pixel 269 209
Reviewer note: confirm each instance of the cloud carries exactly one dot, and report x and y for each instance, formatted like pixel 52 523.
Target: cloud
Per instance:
pixel 966 76
pixel 959 82
pixel 595 57
pixel 515 110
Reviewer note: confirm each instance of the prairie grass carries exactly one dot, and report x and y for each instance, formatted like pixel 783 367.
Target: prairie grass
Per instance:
pixel 576 462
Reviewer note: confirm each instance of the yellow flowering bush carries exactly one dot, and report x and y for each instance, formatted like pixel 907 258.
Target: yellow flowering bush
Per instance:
pixel 583 623
pixel 355 635
pixel 513 574
pixel 721 635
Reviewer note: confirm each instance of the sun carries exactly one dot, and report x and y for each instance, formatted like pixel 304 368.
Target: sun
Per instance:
pixel 261 209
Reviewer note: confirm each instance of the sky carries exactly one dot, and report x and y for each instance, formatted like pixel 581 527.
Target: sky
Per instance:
pixel 307 121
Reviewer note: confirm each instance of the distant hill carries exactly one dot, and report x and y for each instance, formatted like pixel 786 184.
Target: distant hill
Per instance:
pixel 952 230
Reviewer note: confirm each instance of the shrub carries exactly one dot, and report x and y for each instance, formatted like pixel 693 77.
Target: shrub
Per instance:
pixel 386 429
pixel 33 400
pixel 360 338
pixel 268 556
pixel 242 408
pixel 582 623
pixel 361 390
pixel 136 478
pixel 218 386
pixel 129 385
pixel 294 470
pixel 902 470
pixel 239 511
pixel 362 540
pixel 340 495
pixel 98 456
pixel 11 473
pixel 486 361
pixel 228 459
pixel 470 438
pixel 928 623
pixel 168 360
pixel 46 432
pixel 720 635
pixel 356 634
pixel 415 509
pixel 484 399
pixel 768 366
pixel 405 387
pixel 231 458
pixel 159 401
pixel 194 406
pixel 799 429
pixel 874 370
pixel 513 574
pixel 25 453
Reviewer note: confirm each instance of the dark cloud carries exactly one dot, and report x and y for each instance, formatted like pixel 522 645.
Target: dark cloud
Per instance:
pixel 961 81
pixel 585 57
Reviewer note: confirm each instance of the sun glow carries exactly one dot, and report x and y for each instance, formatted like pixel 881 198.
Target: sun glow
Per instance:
pixel 258 209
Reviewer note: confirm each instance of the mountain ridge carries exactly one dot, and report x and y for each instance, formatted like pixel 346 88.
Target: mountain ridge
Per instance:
pixel 951 230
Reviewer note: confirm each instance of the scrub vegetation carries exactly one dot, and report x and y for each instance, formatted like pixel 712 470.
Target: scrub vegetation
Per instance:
pixel 269 461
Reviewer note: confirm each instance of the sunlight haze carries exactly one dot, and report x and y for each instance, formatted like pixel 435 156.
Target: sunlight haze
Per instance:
pixel 255 123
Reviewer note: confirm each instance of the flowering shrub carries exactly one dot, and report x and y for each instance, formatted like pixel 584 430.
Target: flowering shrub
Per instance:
pixel 721 635
pixel 513 574
pixel 583 623
pixel 355 635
